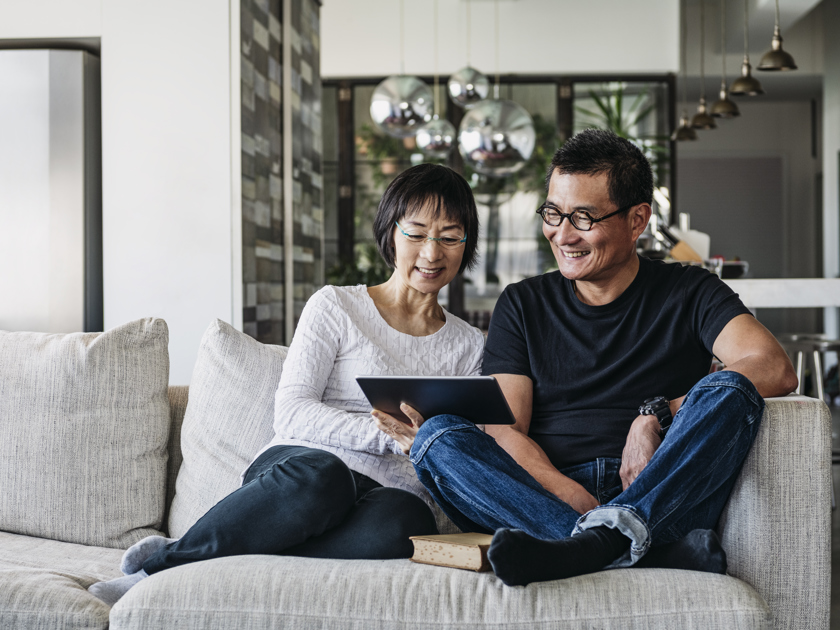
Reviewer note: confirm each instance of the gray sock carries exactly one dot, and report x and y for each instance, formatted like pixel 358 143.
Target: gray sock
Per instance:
pixel 111 591
pixel 139 552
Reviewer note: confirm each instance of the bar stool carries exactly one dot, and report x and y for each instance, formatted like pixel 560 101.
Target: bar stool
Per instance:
pixel 815 345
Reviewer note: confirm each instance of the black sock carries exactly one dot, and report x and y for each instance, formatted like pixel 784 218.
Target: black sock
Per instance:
pixel 699 550
pixel 519 559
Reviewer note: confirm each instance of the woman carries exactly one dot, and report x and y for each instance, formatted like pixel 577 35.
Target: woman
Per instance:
pixel 331 484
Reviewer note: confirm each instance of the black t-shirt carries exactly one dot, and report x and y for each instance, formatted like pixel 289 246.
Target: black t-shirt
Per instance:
pixel 592 366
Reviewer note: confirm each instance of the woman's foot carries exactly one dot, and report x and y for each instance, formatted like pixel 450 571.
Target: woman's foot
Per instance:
pixel 111 591
pixel 139 552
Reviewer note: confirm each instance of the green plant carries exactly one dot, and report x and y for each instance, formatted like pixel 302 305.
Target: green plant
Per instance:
pixel 614 114
pixel 368 268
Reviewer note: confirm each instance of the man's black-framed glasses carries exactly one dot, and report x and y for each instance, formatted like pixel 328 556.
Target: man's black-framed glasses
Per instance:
pixel 580 219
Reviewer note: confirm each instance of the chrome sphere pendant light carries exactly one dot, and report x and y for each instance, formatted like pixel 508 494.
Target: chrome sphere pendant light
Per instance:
pixel 746 84
pixel 400 104
pixel 684 131
pixel 702 119
pixel 776 58
pixel 496 137
pixel 436 137
pixel 724 107
pixel 468 86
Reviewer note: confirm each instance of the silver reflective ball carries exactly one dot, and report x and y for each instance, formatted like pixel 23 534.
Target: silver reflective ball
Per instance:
pixel 436 138
pixel 496 138
pixel 400 104
pixel 468 87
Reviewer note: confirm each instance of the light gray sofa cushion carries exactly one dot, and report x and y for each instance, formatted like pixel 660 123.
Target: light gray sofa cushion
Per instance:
pixel 43 583
pixel 229 418
pixel 264 592
pixel 84 421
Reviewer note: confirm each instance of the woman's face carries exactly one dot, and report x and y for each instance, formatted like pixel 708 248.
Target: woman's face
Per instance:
pixel 424 265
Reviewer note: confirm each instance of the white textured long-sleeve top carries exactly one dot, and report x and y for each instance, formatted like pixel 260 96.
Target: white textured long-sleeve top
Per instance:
pixel 319 404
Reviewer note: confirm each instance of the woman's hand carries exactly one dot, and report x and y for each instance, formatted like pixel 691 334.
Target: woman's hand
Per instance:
pixel 402 432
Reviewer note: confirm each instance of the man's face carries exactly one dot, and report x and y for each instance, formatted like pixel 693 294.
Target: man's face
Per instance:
pixel 603 252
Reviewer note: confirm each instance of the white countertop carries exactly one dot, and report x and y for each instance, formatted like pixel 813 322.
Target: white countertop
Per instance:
pixel 787 292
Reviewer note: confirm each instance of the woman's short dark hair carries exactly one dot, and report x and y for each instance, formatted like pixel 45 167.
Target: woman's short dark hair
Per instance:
pixel 595 151
pixel 433 187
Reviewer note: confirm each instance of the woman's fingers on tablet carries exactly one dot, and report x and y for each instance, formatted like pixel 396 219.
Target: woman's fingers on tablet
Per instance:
pixel 402 433
pixel 413 415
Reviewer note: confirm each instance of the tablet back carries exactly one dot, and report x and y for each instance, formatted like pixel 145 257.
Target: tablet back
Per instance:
pixel 478 399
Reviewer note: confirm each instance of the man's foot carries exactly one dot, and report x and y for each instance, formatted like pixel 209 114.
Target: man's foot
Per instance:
pixel 519 559
pixel 111 591
pixel 699 550
pixel 139 552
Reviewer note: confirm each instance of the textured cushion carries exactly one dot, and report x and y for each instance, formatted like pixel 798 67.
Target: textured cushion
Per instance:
pixel 84 420
pixel 44 583
pixel 263 592
pixel 229 418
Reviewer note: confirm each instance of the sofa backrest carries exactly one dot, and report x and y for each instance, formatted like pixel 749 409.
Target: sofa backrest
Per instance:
pixel 178 398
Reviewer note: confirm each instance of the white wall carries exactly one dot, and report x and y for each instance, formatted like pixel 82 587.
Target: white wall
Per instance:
pixel 765 129
pixel 166 152
pixel 362 37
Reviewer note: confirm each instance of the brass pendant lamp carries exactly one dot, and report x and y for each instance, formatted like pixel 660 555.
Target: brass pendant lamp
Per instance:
pixel 702 119
pixel 684 131
pixel 724 107
pixel 776 58
pixel 746 84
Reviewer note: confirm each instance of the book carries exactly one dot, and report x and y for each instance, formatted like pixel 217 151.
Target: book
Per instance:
pixel 458 551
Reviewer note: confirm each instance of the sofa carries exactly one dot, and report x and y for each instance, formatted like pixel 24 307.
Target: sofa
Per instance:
pixel 97 451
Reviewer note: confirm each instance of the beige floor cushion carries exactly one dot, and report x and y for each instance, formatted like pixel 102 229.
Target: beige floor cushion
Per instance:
pixel 84 422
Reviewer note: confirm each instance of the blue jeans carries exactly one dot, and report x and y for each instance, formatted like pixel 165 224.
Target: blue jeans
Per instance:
pixel 301 501
pixel 683 487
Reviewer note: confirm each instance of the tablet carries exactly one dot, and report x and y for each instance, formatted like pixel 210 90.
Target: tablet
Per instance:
pixel 478 399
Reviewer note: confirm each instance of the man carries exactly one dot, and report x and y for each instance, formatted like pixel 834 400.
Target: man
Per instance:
pixel 624 445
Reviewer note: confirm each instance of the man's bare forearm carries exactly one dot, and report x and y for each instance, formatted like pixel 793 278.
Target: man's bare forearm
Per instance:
pixel 533 459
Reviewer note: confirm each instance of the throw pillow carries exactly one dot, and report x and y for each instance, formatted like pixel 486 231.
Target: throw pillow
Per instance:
pixel 84 421
pixel 229 418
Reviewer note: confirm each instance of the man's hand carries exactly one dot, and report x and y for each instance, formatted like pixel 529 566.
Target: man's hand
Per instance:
pixel 642 442
pixel 402 432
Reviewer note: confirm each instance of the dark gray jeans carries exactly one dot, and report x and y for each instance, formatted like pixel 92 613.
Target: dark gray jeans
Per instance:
pixel 301 501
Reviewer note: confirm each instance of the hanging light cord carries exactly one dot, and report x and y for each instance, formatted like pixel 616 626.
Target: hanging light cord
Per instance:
pixel 469 27
pixel 684 56
pixel 437 85
pixel 777 15
pixel 723 41
pixel 496 87
pixel 402 37
pixel 702 49
pixel 746 31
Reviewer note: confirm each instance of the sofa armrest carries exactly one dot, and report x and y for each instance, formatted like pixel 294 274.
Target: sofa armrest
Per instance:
pixel 776 527
pixel 178 396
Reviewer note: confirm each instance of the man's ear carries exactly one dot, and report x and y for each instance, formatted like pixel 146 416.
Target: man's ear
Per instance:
pixel 640 215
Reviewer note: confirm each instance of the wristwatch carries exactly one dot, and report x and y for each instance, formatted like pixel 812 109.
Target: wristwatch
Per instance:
pixel 658 406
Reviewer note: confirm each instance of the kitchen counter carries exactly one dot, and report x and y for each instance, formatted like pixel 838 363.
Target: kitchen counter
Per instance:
pixel 787 292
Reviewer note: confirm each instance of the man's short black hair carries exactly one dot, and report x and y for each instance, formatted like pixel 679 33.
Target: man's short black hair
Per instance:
pixel 596 151
pixel 431 186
